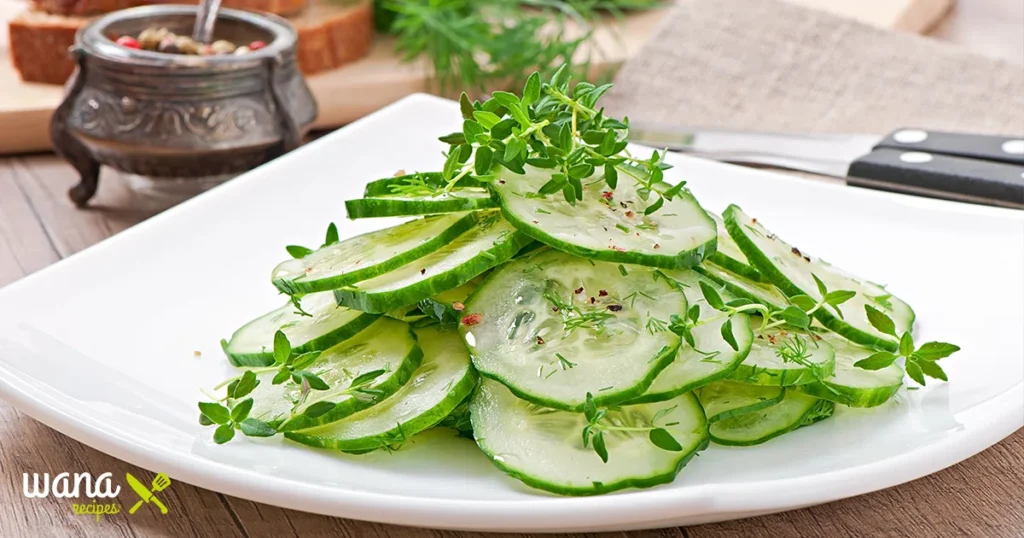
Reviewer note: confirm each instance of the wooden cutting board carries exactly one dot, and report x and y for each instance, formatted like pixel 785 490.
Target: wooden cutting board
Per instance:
pixel 353 91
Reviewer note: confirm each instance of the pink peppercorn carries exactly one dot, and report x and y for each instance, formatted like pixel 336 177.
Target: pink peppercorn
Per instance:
pixel 128 41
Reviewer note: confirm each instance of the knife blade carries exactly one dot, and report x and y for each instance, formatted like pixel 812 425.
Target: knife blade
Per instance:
pixel 141 490
pixel 967 167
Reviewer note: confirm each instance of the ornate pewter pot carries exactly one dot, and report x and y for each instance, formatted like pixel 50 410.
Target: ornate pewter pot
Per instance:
pixel 175 115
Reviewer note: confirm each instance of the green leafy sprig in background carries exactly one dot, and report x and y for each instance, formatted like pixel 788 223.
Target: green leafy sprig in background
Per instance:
pixel 476 45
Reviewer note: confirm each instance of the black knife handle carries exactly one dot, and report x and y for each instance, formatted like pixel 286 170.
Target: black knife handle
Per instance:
pixel 974 146
pixel 940 176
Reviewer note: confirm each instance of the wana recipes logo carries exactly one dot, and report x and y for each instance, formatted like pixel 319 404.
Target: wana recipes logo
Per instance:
pixel 96 497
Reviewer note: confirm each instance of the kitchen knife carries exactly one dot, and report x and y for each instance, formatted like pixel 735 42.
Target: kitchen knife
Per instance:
pixel 144 494
pixel 968 167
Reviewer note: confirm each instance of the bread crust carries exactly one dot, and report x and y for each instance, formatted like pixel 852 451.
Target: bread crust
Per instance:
pixel 96 7
pixel 330 36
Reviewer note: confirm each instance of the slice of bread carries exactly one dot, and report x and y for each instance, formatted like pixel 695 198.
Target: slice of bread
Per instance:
pixel 331 34
pixel 95 7
pixel 40 43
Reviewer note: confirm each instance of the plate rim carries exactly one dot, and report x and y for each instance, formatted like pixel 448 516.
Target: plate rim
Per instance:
pixel 633 509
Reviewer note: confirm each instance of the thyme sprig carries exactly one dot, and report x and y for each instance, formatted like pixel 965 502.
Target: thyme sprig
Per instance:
pixel 599 423
pixel 293 367
pixel 235 415
pixel 920 362
pixel 556 129
pixel 797 315
pixel 298 251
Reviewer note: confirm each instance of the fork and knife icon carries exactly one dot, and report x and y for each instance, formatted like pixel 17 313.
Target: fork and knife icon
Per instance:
pixel 160 483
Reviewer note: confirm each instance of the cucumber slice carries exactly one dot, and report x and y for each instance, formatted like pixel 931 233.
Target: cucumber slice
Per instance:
pixel 403 205
pixel 418 183
pixel 791 271
pixel 678 235
pixel 387 345
pixel 715 359
pixel 328 324
pixel 532 331
pixel 782 359
pixel 854 386
pixel 490 243
pixel 441 383
pixel 739 286
pixel 729 256
pixel 727 399
pixel 371 254
pixel 544 448
pixel 795 410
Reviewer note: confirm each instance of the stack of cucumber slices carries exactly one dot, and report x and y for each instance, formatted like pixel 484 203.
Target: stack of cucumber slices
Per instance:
pixel 589 332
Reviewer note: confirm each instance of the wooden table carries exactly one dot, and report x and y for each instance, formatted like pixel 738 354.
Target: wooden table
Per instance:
pixel 983 496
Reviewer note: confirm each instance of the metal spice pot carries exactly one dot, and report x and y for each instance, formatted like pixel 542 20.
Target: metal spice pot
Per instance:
pixel 174 115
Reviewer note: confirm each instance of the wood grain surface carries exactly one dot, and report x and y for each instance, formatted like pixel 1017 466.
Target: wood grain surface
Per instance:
pixel 983 496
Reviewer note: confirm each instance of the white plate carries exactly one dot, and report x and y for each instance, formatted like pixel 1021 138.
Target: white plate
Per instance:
pixel 100 346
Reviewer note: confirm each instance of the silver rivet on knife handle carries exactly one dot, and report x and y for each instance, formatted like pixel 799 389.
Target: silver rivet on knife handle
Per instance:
pixel 1014 147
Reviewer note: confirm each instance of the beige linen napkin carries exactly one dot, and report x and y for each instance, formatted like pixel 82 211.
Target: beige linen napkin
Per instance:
pixel 770 65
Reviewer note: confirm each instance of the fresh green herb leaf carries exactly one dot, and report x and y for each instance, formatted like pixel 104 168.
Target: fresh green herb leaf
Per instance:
pixel 932 369
pixel 332 235
pixel 880 321
pixel 223 434
pixel 486 119
pixel 319 409
pixel 217 413
pixel 915 372
pixel 662 439
pixel 240 411
pixel 531 92
pixel 252 427
pixel 822 289
pixel 599 446
pixel 466 106
pixel 590 408
pixel 662 413
pixel 728 336
pixel 314 381
pixel 655 206
pixel 693 313
pixel 453 139
pixel 712 296
pixel 298 252
pixel 876 361
pixel 245 385
pixel 675 190
pixel 367 377
pixel 282 375
pixel 906 344
pixel 282 348
pixel 305 360
pixel 795 317
pixel 611 175
pixel 838 297
pixel 803 302
pixel 933 351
